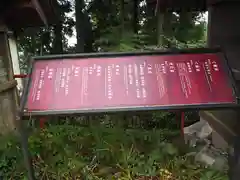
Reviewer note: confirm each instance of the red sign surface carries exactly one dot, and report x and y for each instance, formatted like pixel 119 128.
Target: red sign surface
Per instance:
pixel 128 82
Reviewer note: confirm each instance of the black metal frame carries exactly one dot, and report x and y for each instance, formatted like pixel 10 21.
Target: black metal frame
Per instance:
pixel 136 108
pixel 232 79
pixel 22 111
pixel 24 136
pixel 136 53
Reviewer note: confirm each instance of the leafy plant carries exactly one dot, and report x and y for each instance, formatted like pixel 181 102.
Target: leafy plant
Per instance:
pixel 99 152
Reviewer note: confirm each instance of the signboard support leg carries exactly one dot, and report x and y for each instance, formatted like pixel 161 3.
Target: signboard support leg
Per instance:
pixel 24 142
pixel 42 121
pixel 182 124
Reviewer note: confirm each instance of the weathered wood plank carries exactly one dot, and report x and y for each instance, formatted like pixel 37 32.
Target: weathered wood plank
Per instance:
pixel 8 85
pixel 224 122
pixel 8 103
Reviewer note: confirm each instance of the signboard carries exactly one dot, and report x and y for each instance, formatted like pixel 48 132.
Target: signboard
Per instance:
pixel 128 82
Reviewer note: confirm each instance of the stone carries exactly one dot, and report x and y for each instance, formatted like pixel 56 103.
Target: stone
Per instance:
pixel 197 131
pixel 210 156
pixel 220 163
pixel 205 158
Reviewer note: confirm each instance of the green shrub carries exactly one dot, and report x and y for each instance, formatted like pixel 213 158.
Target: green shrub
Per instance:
pixel 97 152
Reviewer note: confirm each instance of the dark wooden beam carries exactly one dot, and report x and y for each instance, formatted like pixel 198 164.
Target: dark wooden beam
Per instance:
pixel 39 9
pixel 177 5
pixel 19 14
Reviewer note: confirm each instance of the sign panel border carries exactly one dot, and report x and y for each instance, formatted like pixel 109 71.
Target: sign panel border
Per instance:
pixel 217 51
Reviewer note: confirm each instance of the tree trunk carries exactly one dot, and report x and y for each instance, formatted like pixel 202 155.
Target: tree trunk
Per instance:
pixel 110 14
pixel 79 5
pixel 151 22
pixel 185 24
pixel 160 32
pixel 58 39
pixel 135 16
pixel 168 30
pixel 88 38
pixel 164 28
pixel 122 16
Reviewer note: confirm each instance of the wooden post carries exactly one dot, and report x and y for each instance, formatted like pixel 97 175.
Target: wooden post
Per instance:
pixel 7 112
pixel 14 62
pixel 8 97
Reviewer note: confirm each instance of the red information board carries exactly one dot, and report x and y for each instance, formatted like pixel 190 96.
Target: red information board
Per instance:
pixel 68 85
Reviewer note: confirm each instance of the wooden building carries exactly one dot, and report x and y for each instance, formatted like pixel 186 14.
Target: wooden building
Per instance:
pixel 14 16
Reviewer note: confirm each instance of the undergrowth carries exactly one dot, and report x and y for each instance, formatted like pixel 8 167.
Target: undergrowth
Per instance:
pixel 96 152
